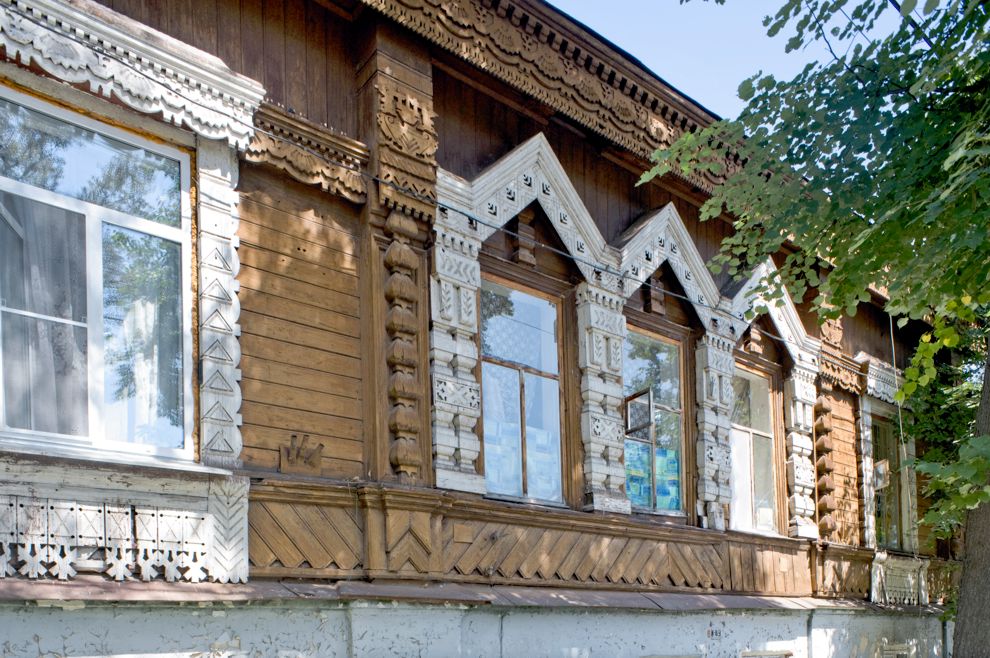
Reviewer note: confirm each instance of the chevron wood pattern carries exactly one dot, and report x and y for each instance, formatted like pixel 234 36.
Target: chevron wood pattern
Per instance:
pixel 304 539
pixel 301 530
pixel 228 504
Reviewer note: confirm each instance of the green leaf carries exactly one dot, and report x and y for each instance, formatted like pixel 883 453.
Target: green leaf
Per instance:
pixel 907 6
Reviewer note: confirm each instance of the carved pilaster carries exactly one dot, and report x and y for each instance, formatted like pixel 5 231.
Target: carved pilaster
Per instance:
pixel 601 332
pixel 454 285
pixel 715 366
pixel 799 401
pixel 824 466
pixel 395 97
pixel 219 308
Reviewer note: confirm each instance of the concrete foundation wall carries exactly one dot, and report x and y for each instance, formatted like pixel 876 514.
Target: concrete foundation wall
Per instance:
pixel 312 629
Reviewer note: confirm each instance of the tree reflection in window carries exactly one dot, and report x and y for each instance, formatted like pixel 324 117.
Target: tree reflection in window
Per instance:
pixel 653 446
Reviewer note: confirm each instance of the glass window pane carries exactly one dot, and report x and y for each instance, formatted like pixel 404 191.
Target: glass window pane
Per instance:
pixel 518 327
pixel 651 363
pixel 638 474
pixel 668 478
pixel 46 152
pixel 42 259
pixel 638 413
pixel 503 435
pixel 44 375
pixel 751 407
pixel 741 481
pixel 887 449
pixel 543 471
pixel 764 500
pixel 668 428
pixel 142 323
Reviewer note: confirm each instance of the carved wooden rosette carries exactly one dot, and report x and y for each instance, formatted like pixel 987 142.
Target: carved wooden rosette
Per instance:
pixel 799 400
pixel 454 285
pixel 310 153
pixel 715 366
pixel 601 332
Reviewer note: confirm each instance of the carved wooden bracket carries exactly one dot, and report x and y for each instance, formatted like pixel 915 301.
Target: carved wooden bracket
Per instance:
pixel 310 153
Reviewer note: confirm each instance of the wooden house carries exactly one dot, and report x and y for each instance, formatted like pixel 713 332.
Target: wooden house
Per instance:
pixel 353 329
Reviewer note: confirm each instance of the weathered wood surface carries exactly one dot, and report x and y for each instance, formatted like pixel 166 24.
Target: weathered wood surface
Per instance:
pixel 334 531
pixel 841 571
pixel 301 319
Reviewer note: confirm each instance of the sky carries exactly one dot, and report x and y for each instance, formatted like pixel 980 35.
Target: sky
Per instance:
pixel 702 49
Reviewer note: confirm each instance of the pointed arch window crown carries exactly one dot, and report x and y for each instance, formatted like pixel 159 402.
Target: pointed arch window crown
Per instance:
pixel 471 211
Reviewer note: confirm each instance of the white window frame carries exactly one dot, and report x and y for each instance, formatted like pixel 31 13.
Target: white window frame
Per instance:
pixel 750 525
pixel 96 445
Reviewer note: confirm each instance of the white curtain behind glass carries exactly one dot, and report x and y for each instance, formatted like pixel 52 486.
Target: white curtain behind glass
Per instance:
pixel 43 274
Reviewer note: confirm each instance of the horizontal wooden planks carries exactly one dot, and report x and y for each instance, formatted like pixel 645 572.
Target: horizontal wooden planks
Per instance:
pixel 844 437
pixel 300 324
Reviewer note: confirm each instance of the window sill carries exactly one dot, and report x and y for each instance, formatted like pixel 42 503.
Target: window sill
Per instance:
pixel 535 502
pixel 96 457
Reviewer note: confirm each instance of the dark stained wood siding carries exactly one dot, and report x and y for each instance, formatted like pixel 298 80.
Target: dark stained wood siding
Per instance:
pixel 296 49
pixel 300 318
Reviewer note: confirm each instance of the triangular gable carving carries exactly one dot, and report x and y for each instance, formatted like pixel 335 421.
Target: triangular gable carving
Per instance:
pixel 802 348
pixel 661 236
pixel 531 172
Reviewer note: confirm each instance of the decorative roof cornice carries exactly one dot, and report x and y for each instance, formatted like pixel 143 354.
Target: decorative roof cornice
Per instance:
pixel 309 153
pixel 82 42
pixel 540 52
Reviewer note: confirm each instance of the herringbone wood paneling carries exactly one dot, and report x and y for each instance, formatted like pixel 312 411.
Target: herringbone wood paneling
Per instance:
pixel 304 536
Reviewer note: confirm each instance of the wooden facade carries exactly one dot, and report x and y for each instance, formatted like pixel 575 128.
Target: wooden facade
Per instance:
pixel 375 109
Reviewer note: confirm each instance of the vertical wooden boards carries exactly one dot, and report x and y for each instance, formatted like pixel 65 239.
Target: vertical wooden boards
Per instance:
pixel 294 48
pixel 301 324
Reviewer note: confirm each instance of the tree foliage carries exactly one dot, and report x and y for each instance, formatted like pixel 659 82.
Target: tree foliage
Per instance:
pixel 875 163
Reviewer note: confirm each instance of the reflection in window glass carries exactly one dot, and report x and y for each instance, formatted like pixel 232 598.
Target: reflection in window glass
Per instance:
pixel 41 150
pixel 142 324
pixel 886 460
pixel 754 499
pixel 653 446
pixel 520 394
pixel 518 327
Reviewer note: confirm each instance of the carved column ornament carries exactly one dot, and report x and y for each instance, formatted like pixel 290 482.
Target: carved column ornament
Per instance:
pixel 715 366
pixel 454 285
pixel 601 332
pixel 799 401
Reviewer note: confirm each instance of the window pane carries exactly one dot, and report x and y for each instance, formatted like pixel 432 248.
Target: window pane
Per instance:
pixel 887 449
pixel 44 375
pixel 542 438
pixel 668 428
pixel 638 414
pixel 42 259
pixel 46 152
pixel 638 473
pixel 503 436
pixel 518 327
pixel 142 322
pixel 764 500
pixel 751 407
pixel 741 481
pixel 668 478
pixel 651 363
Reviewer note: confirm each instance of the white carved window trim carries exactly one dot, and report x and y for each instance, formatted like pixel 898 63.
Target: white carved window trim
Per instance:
pixel 95 445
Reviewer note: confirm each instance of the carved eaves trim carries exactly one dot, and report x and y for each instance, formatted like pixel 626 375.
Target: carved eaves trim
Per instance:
pixel 539 53
pixel 310 153
pixel 840 370
pixel 85 43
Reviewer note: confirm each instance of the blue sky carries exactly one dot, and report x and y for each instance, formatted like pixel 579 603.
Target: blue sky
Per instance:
pixel 703 49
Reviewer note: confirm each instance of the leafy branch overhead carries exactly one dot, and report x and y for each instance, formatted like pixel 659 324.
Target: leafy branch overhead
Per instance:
pixel 873 163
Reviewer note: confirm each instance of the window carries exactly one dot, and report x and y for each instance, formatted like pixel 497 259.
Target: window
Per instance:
pixel 95 299
pixel 754 500
pixel 520 392
pixel 654 423
pixel 887 466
